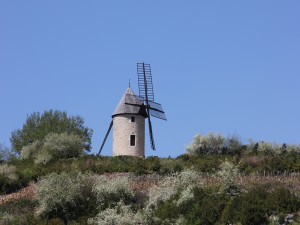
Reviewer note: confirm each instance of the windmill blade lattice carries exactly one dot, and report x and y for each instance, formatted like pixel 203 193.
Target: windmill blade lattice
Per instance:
pixel 146 94
pixel 145 82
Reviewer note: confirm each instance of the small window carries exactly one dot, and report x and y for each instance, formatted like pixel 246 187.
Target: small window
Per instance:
pixel 132 140
pixel 132 119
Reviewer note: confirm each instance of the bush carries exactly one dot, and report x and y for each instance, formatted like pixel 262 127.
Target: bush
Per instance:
pixel 55 146
pixel 110 191
pixel 8 172
pixel 254 207
pixel 65 196
pixel 282 200
pixel 170 186
pixel 119 215
pixel 228 173
pixel 9 180
pixel 210 144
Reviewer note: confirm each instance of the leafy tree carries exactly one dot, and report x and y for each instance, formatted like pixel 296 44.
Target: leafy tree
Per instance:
pixel 37 126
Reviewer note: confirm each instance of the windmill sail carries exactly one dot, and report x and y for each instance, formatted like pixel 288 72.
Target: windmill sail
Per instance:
pixel 156 110
pixel 145 81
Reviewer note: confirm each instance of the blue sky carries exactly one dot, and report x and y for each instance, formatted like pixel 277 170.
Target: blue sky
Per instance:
pixel 229 67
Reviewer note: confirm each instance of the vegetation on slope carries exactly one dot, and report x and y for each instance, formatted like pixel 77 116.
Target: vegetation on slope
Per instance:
pixel 218 181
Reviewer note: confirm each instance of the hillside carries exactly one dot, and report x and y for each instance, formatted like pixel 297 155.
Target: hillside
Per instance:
pixel 207 189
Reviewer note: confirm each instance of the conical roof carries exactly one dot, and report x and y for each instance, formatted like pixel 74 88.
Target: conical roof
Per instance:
pixel 130 104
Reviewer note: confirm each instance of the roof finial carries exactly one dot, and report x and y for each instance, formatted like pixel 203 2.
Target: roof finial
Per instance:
pixel 129 82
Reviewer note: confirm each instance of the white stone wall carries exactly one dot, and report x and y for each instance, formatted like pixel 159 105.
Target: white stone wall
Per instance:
pixel 122 129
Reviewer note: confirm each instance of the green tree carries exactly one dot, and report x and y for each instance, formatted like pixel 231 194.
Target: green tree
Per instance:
pixel 37 126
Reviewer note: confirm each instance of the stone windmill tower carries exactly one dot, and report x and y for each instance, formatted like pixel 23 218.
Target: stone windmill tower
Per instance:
pixel 128 119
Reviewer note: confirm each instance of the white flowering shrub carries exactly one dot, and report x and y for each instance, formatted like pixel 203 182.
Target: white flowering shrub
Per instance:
pixel 8 172
pixel 170 186
pixel 267 148
pixel 290 148
pixel 185 195
pixel 66 196
pixel 42 157
pixel 189 177
pixel 54 146
pixel 29 151
pixel 228 173
pixel 120 215
pixel 161 193
pixel 63 145
pixel 210 144
pixel 110 191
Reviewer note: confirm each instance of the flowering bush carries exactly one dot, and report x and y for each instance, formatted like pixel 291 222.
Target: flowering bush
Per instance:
pixel 210 144
pixel 66 196
pixel 8 172
pixel 170 186
pixel 54 146
pixel 120 215
pixel 110 191
pixel 228 173
pixel 64 145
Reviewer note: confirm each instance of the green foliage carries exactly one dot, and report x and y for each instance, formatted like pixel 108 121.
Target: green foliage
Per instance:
pixel 254 207
pixel 38 126
pixel 54 146
pixel 65 196
pixel 19 212
pixel 282 200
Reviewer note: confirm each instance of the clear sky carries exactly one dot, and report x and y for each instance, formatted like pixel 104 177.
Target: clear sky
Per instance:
pixel 229 67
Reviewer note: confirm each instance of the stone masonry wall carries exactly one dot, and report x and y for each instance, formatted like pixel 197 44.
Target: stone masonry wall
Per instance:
pixel 122 129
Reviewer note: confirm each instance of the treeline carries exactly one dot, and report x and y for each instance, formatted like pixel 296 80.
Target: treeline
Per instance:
pixel 216 144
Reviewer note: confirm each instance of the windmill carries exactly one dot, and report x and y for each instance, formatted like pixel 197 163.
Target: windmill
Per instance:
pixel 128 119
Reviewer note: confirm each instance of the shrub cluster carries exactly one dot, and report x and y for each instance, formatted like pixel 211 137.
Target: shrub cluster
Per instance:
pixel 54 146
pixel 216 144
pixel 179 198
pixel 66 196
pixel 8 178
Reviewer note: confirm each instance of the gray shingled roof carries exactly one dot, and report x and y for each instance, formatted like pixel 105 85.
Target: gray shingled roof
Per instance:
pixel 131 98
